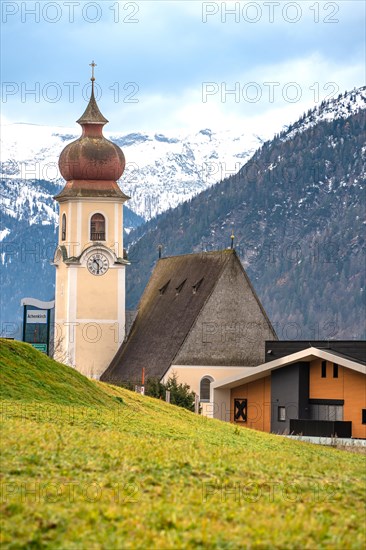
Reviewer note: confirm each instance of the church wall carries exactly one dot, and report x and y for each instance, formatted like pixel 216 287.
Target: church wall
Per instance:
pixel 96 344
pixel 78 214
pixel 72 241
pixel 97 295
pixel 100 319
pixel 231 329
pixel 113 214
pixel 89 332
pixel 61 288
pixel 61 314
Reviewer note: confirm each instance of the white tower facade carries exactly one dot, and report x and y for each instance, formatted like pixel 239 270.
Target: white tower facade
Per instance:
pixel 90 260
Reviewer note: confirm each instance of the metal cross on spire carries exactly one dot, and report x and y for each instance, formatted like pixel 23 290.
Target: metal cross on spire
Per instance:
pixel 92 65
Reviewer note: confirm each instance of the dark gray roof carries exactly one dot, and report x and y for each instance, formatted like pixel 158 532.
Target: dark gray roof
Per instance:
pixel 344 356
pixel 177 291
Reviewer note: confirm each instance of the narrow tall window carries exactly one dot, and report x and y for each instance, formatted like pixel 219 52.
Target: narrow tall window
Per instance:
pixel 363 416
pixel 97 227
pixel 282 414
pixel 205 388
pixel 335 370
pixel 324 369
pixel 63 227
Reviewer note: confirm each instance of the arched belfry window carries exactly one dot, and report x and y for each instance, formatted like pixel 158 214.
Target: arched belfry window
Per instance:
pixel 63 227
pixel 97 227
pixel 205 388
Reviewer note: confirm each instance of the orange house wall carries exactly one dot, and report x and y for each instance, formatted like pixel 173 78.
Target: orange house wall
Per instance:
pixel 258 395
pixel 350 386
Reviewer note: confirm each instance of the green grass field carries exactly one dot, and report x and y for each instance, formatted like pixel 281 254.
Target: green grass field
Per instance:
pixel 88 466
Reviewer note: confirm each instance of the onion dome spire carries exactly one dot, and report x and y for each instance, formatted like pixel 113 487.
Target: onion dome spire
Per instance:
pixel 92 164
pixel 92 114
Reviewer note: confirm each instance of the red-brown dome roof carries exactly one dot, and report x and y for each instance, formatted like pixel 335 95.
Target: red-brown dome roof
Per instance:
pixel 92 156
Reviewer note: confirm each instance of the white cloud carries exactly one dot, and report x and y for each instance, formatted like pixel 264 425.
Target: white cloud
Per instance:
pixel 296 86
pixel 170 52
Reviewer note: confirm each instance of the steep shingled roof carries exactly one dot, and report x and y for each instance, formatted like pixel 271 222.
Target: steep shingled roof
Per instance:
pixel 177 291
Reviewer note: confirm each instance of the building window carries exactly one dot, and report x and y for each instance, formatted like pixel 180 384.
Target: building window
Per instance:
pixel 63 227
pixel 335 370
pixel 363 416
pixel 240 410
pixel 281 414
pixel 97 227
pixel 324 369
pixel 326 412
pixel 205 388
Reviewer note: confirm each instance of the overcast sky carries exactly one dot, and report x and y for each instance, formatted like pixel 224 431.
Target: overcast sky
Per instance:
pixel 170 65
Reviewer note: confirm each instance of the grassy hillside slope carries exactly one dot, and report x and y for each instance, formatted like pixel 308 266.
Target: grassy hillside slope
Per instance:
pixel 30 376
pixel 86 465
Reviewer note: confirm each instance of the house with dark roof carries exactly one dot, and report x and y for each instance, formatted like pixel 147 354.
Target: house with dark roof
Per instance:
pixel 305 388
pixel 199 318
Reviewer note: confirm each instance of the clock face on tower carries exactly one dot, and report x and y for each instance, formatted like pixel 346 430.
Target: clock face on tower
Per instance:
pixel 97 264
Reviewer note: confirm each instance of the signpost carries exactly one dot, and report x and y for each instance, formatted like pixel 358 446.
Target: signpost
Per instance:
pixel 40 347
pixel 37 323
pixel 36 316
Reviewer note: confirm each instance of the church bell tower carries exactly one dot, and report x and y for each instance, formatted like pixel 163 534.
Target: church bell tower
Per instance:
pixel 90 262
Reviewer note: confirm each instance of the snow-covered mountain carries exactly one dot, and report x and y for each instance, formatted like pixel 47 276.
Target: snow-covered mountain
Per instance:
pixel 162 170
pixel 343 106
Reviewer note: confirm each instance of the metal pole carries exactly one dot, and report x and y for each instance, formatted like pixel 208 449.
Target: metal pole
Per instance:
pixel 197 404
